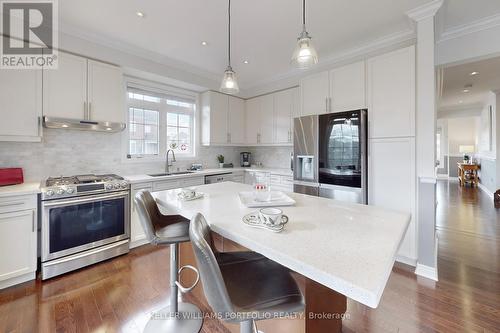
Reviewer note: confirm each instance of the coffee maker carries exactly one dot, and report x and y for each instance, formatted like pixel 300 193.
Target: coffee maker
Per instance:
pixel 245 159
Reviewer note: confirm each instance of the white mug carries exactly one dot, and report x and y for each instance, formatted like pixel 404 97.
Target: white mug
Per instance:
pixel 272 216
pixel 188 192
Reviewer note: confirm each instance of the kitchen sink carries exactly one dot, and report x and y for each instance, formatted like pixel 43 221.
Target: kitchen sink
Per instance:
pixel 171 173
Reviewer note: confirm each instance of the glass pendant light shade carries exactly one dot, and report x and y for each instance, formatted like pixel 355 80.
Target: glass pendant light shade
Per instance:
pixel 305 54
pixel 229 83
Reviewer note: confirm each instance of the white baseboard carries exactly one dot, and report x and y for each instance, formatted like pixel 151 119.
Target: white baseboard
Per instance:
pixel 485 190
pixel 406 260
pixel 427 272
pixel 17 280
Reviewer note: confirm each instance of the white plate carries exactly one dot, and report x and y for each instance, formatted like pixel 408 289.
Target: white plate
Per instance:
pixel 198 195
pixel 278 198
pixel 253 220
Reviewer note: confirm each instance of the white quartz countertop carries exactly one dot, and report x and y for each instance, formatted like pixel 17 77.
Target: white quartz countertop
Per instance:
pixel 21 189
pixel 133 179
pixel 349 248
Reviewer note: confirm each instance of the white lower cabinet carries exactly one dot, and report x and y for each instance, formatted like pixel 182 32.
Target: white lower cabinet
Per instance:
pixel 392 184
pixel 137 235
pixel 18 239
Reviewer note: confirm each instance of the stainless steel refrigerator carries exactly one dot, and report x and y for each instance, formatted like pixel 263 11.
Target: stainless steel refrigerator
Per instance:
pixel 331 156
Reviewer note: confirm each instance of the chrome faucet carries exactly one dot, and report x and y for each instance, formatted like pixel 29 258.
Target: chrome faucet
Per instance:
pixel 167 164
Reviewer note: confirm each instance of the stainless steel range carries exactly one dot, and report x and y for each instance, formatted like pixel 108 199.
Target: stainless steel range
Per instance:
pixel 85 219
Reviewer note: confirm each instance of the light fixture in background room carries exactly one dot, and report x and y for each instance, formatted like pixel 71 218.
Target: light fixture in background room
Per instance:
pixel 229 83
pixel 305 54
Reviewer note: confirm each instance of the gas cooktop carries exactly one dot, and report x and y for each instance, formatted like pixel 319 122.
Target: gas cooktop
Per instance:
pixel 63 187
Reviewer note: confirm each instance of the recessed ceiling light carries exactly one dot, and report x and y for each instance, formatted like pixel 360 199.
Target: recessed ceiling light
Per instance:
pixel 466 90
pixel 460 101
pixel 204 43
pixel 245 61
pixel 474 73
pixel 140 14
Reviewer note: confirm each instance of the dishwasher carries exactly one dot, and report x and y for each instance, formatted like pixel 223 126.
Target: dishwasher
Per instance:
pixel 219 178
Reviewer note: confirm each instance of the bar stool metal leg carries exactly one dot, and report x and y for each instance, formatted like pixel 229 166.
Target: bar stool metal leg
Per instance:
pixel 177 317
pixel 247 326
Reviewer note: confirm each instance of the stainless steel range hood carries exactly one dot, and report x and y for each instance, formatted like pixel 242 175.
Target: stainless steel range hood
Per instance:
pixel 83 125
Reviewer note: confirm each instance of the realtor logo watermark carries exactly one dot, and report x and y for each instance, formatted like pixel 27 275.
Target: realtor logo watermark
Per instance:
pixel 29 34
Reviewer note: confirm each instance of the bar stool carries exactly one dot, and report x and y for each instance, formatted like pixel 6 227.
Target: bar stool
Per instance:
pixel 242 287
pixel 169 230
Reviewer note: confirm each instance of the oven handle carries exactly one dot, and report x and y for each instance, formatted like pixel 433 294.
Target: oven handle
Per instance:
pixel 90 198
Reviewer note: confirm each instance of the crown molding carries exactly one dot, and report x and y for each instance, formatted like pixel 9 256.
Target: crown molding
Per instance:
pixel 130 49
pixel 425 11
pixel 398 39
pixel 485 23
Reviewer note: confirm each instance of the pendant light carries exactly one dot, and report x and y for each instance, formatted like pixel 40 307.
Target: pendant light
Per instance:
pixel 304 55
pixel 229 84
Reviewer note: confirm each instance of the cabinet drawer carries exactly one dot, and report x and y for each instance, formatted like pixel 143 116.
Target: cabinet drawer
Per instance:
pixel 18 203
pixel 194 181
pixel 238 179
pixel 166 185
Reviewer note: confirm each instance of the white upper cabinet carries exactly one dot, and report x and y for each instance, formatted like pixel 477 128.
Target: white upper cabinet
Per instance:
pixel 236 120
pixel 315 90
pixel 391 94
pixel 84 89
pixel 65 88
pixel 106 92
pixel 214 118
pixel 283 110
pixel 266 135
pixel 252 116
pixel 347 87
pixel 21 105
pixel 223 119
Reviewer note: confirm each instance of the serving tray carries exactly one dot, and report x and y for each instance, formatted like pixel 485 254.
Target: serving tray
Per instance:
pixel 278 198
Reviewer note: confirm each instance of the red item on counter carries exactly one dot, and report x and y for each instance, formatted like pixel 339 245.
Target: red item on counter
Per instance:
pixel 11 176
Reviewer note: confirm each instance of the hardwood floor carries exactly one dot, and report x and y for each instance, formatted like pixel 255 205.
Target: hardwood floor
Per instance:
pixel 117 295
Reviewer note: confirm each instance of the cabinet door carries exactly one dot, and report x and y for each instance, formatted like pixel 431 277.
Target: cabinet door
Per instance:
pixel 314 91
pixel 106 92
pixel 65 88
pixel 266 119
pixel 347 87
pixel 283 108
pixel 392 182
pixel 18 233
pixel 236 120
pixel 391 94
pixel 218 118
pixel 21 104
pixel 137 235
pixel 252 120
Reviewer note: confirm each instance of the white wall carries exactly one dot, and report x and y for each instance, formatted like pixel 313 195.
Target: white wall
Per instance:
pixel 461 131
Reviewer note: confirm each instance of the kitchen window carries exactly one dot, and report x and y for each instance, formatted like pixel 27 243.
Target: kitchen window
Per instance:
pixel 159 121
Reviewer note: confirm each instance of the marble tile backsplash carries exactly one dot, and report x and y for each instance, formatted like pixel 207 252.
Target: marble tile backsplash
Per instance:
pixel 66 152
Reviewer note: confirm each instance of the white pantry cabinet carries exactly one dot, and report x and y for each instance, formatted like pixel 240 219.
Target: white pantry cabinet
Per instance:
pixel 391 94
pixel 84 89
pixel 18 239
pixel 252 117
pixel 21 105
pixel 222 119
pixel 392 183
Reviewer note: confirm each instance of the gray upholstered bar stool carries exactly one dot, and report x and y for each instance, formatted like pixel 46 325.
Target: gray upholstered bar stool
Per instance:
pixel 169 230
pixel 242 287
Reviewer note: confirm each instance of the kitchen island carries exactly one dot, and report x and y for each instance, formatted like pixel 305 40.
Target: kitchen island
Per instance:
pixel 343 250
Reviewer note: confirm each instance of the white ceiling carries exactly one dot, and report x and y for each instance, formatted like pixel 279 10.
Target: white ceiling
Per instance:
pixel 264 31
pixel 456 77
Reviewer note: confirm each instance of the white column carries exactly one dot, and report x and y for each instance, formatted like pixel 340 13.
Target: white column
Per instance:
pixel 424 17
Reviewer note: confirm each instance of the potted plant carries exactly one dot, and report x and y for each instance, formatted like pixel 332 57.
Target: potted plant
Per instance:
pixel 220 158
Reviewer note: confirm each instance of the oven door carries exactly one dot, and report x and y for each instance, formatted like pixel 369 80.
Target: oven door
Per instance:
pixel 78 224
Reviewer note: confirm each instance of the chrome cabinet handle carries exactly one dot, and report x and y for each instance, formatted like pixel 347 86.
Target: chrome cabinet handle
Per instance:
pixel 326 104
pixel 33 221
pixel 90 111
pixel 85 111
pixel 18 203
